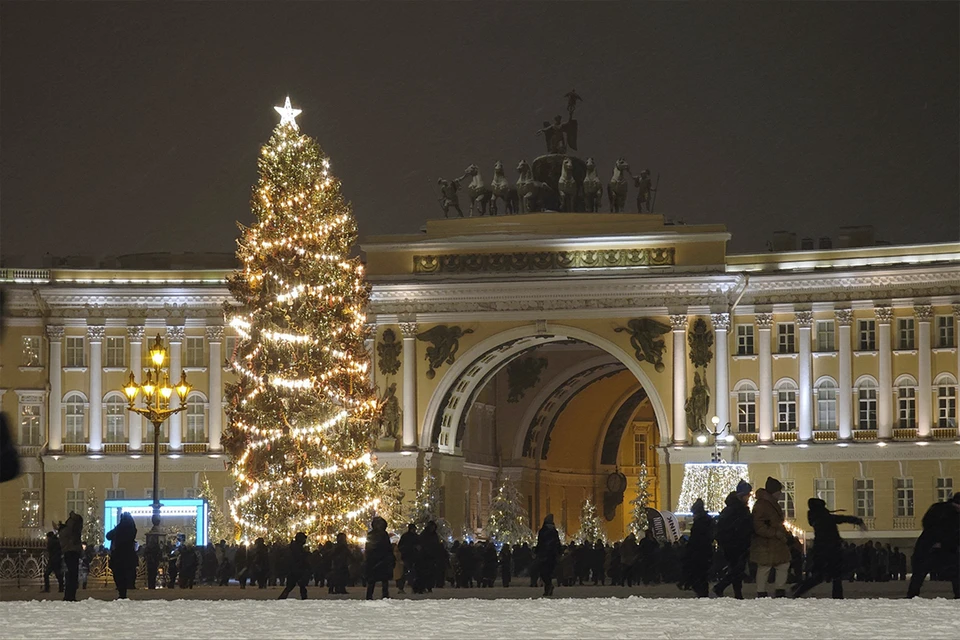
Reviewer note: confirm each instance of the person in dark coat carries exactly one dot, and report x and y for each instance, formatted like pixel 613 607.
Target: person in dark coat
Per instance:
pixel 734 530
pixel 54 562
pixel 72 547
pixel 506 562
pixel 408 545
pixel 429 560
pixel 378 558
pixel 938 545
pixel 339 566
pixel 298 573
pixel 173 562
pixel 123 553
pixel 647 558
pixel 699 550
pixel 259 559
pixel 826 561
pixel 189 562
pixel 240 562
pixel 548 548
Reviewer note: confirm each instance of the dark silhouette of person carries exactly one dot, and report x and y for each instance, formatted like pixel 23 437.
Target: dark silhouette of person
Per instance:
pixel 699 550
pixel 506 561
pixel 826 561
pixel 408 545
pixel 298 573
pixel 379 559
pixel 260 563
pixel 548 549
pixel 54 561
pixel 733 533
pixel 123 553
pixel 72 548
pixel 938 546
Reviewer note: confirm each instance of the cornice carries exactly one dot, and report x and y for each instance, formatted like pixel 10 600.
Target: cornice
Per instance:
pixel 825 452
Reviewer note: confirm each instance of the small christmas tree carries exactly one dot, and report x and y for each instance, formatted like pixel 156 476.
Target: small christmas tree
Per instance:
pixel 639 523
pixel 508 519
pixel 218 527
pixel 591 529
pixel 426 505
pixel 92 519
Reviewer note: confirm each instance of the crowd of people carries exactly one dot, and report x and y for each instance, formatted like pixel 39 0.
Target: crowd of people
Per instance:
pixel 740 545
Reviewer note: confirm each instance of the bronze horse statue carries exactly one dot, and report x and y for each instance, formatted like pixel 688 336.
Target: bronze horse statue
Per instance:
pixel 503 191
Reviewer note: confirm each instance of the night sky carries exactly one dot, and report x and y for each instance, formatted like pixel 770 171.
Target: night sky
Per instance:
pixel 130 127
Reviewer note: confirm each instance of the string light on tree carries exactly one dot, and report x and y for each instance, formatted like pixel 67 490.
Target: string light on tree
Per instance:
pixel 710 481
pixel 639 521
pixel 301 414
pixel 508 520
pixel 591 529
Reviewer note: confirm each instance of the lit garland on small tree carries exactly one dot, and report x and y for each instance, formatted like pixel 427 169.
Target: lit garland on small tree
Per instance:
pixel 302 415
pixel 218 526
pixel 639 522
pixel 508 519
pixel 426 505
pixel 591 529
pixel 92 519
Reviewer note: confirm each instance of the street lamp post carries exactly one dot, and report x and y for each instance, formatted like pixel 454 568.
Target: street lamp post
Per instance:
pixel 716 432
pixel 157 392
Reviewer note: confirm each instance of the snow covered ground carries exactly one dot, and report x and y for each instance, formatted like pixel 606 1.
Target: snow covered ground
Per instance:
pixel 489 619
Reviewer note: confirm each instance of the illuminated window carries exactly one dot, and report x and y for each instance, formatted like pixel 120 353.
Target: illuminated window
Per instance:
pixel 903 490
pixel 745 340
pixel 906 402
pixel 867 404
pixel 787 406
pixel 786 338
pixel 31 426
pixel 196 419
pixel 30 356
pixel 747 409
pixel 115 414
pixel 946 401
pixel 827 405
pixel 639 448
pixel 75 414
pixel 826 490
pixel 826 338
pixel 863 490
pixel 868 335
pixel 905 334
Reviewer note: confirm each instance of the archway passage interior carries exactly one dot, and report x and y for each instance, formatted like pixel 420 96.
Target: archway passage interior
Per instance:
pixel 559 416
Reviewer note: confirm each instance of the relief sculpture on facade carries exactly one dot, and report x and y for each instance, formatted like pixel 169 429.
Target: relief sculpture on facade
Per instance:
pixel 646 340
pixel 388 353
pixel 445 342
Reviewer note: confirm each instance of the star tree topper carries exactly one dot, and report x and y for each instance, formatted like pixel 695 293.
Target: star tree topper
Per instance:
pixel 288 114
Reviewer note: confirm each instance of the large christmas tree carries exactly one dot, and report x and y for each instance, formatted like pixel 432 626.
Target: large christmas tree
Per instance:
pixel 302 414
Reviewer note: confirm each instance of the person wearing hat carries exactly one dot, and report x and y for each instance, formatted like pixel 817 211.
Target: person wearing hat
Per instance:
pixel 770 548
pixel 699 550
pixel 826 559
pixel 938 545
pixel 734 530
pixel 548 548
pixel 299 574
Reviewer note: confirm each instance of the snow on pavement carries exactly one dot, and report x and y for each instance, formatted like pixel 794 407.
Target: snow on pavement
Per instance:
pixel 606 618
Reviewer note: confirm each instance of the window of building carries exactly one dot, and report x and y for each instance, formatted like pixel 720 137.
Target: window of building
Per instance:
pixel 903 494
pixel 191 492
pixel 867 404
pixel 76 501
pixel 827 405
pixel 116 494
pixel 115 356
pixel 868 335
pixel 945 332
pixel 747 410
pixel 826 490
pixel 787 407
pixel 788 501
pixel 229 347
pixel 115 414
pixel 944 489
pixel 639 448
pixel 75 413
pixel 74 347
pixel 160 493
pixel 196 419
pixel 906 407
pixel 863 497
pixel 30 356
pixel 193 357
pixel 31 426
pixel 148 432
pixel 826 338
pixel 29 508
pixel 745 340
pixel 946 401
pixel 905 334
pixel 786 338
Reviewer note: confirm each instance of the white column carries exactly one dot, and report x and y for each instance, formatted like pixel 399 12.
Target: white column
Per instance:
pixel 924 314
pixel 95 337
pixel 215 388
pixel 805 378
pixel 679 323
pixel 721 326
pixel 175 336
pixel 845 383
pixel 134 421
pixel 765 395
pixel 885 374
pixel 409 331
pixel 55 373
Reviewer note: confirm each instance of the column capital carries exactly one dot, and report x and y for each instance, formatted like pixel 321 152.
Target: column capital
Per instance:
pixel 215 333
pixel 408 329
pixel 95 333
pixel 884 314
pixel 175 333
pixel 135 333
pixel 804 319
pixel 924 312
pixel 844 317
pixel 721 321
pixel 678 322
pixel 956 310
pixel 55 332
pixel 764 320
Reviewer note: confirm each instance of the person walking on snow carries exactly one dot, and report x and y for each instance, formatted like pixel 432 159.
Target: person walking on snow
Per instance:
pixel 941 533
pixel 548 548
pixel 298 574
pixel 826 559
pixel 769 548
pixel 699 549
pixel 734 530
pixel 379 558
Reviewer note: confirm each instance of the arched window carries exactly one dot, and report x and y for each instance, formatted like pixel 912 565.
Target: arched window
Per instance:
pixel 786 405
pixel 906 402
pixel 867 404
pixel 115 413
pixel 75 408
pixel 946 386
pixel 827 405
pixel 746 407
pixel 196 419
